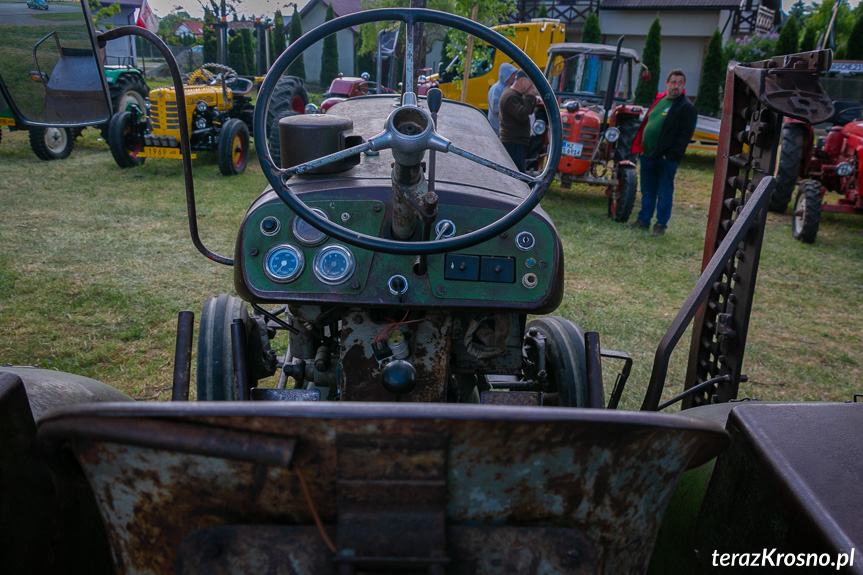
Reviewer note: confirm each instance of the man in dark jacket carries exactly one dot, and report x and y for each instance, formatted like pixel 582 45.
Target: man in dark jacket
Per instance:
pixel 665 132
pixel 516 105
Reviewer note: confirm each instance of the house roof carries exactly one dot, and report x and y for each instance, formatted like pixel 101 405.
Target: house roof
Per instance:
pixel 196 27
pixel 340 7
pixel 669 4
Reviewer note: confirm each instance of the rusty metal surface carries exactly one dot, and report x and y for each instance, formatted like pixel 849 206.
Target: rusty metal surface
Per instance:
pixel 801 467
pixel 428 341
pixel 757 96
pixel 289 550
pixel 608 474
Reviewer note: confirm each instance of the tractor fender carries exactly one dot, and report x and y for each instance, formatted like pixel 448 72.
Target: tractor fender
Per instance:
pixel 622 163
pixel 47 389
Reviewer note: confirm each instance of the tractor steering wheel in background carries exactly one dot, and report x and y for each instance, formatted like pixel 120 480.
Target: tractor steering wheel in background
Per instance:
pixel 404 143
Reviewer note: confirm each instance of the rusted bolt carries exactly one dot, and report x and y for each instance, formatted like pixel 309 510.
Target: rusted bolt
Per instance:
pixel 430 200
pixel 441 289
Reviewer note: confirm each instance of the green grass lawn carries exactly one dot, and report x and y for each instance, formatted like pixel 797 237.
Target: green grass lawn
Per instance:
pixel 95 263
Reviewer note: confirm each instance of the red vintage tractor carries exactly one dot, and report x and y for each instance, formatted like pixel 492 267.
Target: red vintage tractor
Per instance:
pixel 829 163
pixel 593 83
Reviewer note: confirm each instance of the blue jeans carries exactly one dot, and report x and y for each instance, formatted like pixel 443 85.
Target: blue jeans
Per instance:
pixel 657 189
pixel 518 153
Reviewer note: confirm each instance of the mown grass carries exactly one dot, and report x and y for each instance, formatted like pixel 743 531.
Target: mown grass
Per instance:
pixel 95 263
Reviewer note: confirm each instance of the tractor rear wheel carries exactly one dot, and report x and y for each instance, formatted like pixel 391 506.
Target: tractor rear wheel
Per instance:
pixel 289 98
pixel 125 145
pixel 790 156
pixel 565 360
pixel 807 211
pixel 51 143
pixel 627 183
pixel 233 147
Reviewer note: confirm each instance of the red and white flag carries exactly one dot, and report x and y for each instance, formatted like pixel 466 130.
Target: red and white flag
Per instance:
pixel 147 19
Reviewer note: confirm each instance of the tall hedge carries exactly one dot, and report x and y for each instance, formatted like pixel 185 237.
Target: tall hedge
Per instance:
pixel 211 42
pixel 646 90
pixel 712 75
pixel 854 48
pixel 789 38
pixel 591 32
pixel 236 52
pixel 329 55
pixel 249 52
pixel 297 68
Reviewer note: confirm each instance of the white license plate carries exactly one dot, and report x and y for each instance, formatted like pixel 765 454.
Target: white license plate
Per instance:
pixel 572 149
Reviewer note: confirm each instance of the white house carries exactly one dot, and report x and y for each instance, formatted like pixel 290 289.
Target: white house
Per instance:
pixel 314 14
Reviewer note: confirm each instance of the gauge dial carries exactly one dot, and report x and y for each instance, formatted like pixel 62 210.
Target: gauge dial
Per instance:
pixel 306 234
pixel 334 264
pixel 283 263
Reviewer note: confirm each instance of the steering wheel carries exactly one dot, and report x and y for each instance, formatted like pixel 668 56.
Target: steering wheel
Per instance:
pixel 401 135
pixel 212 74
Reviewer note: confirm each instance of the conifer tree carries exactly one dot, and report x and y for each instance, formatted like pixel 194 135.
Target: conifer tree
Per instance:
pixel 646 90
pixel 810 39
pixel 277 36
pixel 329 55
pixel 542 12
pixel 248 52
pixel 297 68
pixel 789 38
pixel 712 73
pixel 211 43
pixel 591 32
pixel 236 52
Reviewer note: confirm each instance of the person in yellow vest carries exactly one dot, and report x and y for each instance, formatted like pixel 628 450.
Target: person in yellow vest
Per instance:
pixel 661 140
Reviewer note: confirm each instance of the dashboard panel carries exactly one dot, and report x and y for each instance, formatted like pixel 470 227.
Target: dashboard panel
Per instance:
pixel 281 259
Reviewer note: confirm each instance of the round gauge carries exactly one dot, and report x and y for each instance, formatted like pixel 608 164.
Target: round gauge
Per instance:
pixel 306 234
pixel 334 264
pixel 283 263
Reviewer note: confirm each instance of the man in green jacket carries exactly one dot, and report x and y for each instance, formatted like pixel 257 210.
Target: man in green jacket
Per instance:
pixel 662 139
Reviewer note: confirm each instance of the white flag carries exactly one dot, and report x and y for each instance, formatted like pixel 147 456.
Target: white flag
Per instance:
pixel 147 19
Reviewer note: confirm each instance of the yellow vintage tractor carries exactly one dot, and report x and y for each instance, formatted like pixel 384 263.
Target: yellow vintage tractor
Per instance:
pixel 219 117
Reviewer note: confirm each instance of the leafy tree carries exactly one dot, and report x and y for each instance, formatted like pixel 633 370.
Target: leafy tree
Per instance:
pixel 750 48
pixel 854 48
pixel 542 12
pixel 789 38
pixel 171 21
pixel 211 43
pixel 248 51
pixel 297 67
pixel 712 75
pixel 646 90
pixel 820 19
pixel 99 13
pixel 809 40
pixel 329 54
pixel 591 32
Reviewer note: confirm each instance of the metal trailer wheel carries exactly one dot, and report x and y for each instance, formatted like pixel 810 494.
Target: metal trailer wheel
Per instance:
pixel 124 144
pixel 565 359
pixel 790 157
pixel 621 208
pixel 289 98
pixel 807 211
pixel 51 143
pixel 233 148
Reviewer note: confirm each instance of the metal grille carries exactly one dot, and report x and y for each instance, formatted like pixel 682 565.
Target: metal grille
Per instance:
pixel 571 12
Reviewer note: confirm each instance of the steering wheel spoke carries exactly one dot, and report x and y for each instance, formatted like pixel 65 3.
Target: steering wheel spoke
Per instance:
pixel 493 165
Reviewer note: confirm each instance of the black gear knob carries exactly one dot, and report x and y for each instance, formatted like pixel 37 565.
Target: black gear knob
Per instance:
pixel 399 377
pixel 434 97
